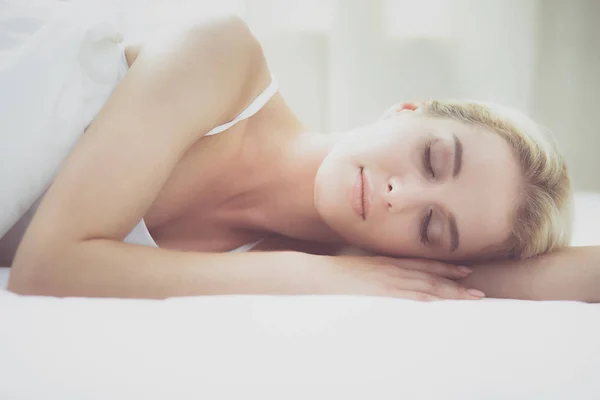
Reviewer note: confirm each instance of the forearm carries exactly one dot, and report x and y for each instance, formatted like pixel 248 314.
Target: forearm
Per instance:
pixel 105 268
pixel 569 274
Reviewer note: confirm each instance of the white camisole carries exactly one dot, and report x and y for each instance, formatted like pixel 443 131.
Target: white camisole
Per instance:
pixel 140 234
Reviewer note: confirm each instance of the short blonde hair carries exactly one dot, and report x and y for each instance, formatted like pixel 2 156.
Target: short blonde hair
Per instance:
pixel 542 219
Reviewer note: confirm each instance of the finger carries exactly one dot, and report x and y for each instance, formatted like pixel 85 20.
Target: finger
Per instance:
pixel 434 267
pixel 437 286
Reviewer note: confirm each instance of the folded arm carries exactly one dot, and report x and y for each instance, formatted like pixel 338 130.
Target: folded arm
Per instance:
pixel 569 274
pixel 162 107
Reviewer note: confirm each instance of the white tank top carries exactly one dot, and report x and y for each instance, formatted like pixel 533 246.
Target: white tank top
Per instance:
pixel 140 234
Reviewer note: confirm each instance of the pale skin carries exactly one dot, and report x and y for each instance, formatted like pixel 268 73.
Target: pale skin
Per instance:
pixel 144 156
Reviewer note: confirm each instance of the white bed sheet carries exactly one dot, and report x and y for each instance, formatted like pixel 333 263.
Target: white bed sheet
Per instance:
pixel 260 347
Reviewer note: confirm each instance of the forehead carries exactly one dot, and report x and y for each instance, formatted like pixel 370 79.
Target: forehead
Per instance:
pixel 485 193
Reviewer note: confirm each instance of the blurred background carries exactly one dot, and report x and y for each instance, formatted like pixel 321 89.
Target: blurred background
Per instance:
pixel 341 63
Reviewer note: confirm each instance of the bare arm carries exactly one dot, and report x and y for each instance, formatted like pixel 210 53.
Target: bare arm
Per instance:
pixel 107 268
pixel 165 103
pixel 569 274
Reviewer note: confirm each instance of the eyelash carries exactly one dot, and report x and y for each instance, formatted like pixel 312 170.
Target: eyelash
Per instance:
pixel 425 227
pixel 427 160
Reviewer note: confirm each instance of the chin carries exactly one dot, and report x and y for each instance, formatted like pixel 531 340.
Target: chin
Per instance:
pixel 344 223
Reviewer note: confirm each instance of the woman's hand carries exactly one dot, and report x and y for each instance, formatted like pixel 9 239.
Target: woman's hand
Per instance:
pixel 415 279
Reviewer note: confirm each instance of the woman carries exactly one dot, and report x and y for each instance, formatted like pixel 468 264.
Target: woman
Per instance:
pixel 196 153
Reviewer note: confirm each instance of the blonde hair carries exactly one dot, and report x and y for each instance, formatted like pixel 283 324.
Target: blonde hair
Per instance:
pixel 542 218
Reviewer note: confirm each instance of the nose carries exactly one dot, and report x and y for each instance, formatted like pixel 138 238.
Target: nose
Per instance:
pixel 406 193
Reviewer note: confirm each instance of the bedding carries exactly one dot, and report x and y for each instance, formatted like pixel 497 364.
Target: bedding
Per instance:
pixel 62 72
pixel 318 347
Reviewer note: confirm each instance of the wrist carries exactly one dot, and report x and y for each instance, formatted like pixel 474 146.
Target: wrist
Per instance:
pixel 301 273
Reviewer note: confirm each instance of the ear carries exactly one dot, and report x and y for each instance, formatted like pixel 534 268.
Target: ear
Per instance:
pixel 398 108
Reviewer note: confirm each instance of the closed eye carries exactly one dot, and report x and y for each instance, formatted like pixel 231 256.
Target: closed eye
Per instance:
pixel 425 227
pixel 427 160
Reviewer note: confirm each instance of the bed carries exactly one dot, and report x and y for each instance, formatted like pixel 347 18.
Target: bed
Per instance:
pixel 287 347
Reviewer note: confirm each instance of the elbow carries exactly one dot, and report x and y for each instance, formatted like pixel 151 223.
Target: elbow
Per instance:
pixel 28 281
pixel 36 276
pixel 24 287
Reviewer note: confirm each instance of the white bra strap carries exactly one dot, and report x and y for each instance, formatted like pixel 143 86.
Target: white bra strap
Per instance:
pixel 252 109
pixel 124 66
pixel 245 248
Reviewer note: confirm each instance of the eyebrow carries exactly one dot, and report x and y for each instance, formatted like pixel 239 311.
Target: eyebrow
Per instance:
pixel 458 150
pixel 454 236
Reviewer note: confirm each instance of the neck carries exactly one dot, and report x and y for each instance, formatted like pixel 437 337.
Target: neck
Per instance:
pixel 276 195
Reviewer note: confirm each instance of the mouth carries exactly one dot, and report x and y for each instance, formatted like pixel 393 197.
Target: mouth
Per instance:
pixel 359 193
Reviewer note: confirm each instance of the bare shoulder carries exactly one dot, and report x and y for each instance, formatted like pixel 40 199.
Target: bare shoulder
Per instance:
pixel 223 33
pixel 219 54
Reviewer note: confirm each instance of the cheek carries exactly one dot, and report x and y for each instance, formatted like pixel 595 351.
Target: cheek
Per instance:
pixel 383 143
pixel 395 158
pixel 325 184
pixel 332 186
pixel 395 235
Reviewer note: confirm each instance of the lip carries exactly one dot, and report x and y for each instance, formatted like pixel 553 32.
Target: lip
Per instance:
pixel 359 195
